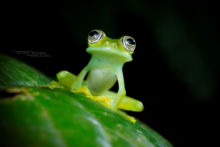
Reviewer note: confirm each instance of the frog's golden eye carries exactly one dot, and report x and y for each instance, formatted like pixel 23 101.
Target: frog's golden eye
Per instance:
pixel 129 43
pixel 95 36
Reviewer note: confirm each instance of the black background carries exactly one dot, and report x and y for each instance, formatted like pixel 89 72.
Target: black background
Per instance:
pixel 175 68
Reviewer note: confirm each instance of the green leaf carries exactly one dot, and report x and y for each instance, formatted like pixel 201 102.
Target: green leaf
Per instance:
pixel 39 116
pixel 14 72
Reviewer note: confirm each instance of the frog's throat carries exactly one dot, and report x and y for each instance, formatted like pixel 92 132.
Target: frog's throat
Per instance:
pixel 109 52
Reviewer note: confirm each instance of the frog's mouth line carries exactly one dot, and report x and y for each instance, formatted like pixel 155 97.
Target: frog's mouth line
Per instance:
pixel 110 52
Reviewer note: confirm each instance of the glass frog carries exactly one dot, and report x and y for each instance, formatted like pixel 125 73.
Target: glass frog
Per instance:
pixel 103 70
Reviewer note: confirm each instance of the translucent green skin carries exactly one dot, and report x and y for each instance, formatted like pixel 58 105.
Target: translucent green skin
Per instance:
pixel 104 70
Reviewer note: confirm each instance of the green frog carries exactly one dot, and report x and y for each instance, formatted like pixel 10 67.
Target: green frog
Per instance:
pixel 103 70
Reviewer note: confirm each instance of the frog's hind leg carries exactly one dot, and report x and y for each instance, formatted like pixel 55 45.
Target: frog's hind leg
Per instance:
pixel 66 78
pixel 127 103
pixel 131 104
pixel 71 81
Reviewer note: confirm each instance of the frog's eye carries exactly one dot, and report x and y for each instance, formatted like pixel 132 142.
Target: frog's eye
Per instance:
pixel 129 43
pixel 95 36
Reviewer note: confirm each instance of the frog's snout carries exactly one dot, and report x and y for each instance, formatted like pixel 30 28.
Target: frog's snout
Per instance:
pixel 112 44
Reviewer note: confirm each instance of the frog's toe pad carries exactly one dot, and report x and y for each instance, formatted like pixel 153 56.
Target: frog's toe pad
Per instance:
pixel 132 119
pixel 54 84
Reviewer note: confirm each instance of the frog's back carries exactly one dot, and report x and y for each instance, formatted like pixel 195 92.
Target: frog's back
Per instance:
pixel 100 79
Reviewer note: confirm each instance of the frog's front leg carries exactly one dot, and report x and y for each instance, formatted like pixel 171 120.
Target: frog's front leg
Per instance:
pixel 79 80
pixel 121 90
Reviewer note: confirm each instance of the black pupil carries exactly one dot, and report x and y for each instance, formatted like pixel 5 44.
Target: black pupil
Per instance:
pixel 130 41
pixel 94 34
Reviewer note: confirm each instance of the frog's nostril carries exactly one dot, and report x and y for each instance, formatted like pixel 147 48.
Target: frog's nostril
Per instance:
pixel 114 45
pixel 107 43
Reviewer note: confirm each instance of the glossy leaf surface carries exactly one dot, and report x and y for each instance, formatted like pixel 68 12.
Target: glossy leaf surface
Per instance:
pixel 39 116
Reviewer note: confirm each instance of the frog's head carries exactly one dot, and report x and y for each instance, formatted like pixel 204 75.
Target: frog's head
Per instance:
pixel 102 46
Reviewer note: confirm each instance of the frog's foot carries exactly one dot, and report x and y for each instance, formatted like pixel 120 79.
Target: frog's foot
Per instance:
pixel 132 119
pixel 127 103
pixel 103 100
pixel 54 84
